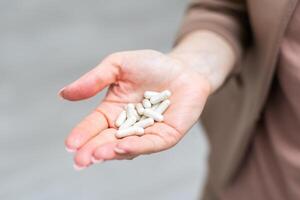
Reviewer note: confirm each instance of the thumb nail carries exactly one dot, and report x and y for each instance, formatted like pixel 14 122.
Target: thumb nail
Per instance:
pixel 119 150
pixel 78 168
pixel 60 93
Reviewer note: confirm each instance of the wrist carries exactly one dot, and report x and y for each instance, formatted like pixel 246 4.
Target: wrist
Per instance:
pixel 207 53
pixel 184 61
pixel 203 64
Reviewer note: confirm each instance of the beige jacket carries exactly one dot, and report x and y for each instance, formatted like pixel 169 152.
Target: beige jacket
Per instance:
pixel 254 28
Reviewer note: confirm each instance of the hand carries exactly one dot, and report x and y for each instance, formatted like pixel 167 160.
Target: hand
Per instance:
pixel 128 75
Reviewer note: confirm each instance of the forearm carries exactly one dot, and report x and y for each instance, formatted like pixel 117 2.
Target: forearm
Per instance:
pixel 209 54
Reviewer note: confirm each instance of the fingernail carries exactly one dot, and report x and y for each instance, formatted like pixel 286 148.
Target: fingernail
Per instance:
pixel 119 151
pixel 78 168
pixel 70 150
pixel 60 93
pixel 76 143
pixel 96 161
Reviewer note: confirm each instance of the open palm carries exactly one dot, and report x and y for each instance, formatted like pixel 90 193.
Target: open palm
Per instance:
pixel 129 75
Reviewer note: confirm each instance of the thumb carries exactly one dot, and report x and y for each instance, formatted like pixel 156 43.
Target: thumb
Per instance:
pixel 92 82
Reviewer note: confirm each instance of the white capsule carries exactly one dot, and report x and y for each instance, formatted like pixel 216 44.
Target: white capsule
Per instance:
pixel 129 122
pixel 145 123
pixel 160 97
pixel 143 117
pixel 131 112
pixel 153 107
pixel 135 113
pixel 149 94
pixel 129 109
pixel 133 130
pixel 146 103
pixel 151 113
pixel 121 119
pixel 140 108
pixel 163 106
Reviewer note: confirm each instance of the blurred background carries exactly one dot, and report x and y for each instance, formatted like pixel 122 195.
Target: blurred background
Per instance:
pixel 45 45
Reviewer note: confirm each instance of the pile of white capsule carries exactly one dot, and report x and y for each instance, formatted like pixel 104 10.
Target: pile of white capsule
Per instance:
pixel 136 117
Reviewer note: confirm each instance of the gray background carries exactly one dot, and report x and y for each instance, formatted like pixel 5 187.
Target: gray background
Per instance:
pixel 45 44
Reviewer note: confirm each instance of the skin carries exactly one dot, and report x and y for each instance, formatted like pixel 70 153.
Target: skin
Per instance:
pixel 192 71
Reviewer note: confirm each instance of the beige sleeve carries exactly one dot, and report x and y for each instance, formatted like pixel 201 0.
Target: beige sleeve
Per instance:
pixel 227 18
